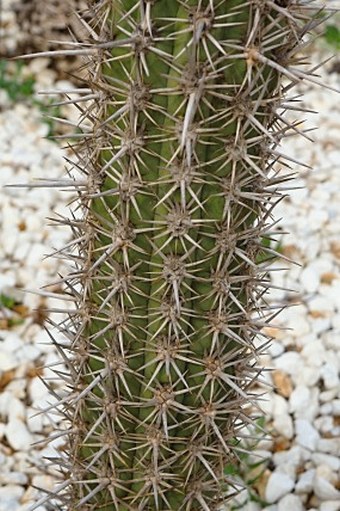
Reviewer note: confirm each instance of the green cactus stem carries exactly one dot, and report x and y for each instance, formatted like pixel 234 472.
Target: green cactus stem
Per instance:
pixel 184 99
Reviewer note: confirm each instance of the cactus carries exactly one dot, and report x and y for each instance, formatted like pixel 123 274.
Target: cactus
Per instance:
pixel 184 106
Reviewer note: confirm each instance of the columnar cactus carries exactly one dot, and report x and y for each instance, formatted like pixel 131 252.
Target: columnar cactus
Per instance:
pixel 185 100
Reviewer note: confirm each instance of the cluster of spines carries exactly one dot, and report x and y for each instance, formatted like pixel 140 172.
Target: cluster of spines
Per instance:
pixel 178 188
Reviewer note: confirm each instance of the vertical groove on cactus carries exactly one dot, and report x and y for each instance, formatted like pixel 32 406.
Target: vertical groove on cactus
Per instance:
pixel 178 188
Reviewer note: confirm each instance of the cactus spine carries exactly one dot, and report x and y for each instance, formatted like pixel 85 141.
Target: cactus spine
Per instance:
pixel 177 193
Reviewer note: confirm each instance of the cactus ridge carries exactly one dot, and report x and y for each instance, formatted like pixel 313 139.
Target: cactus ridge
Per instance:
pixel 177 173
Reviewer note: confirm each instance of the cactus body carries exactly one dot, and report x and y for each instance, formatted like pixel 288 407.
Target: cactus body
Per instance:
pixel 177 196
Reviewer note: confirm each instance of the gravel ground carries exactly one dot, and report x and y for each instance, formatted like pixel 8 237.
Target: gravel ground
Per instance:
pixel 303 411
pixel 25 238
pixel 302 463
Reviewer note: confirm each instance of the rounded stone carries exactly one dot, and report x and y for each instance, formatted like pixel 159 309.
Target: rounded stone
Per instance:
pixel 18 436
pixel 306 435
pixel 290 503
pixel 278 485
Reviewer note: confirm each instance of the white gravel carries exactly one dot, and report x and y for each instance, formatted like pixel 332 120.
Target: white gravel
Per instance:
pixel 303 411
pixel 25 238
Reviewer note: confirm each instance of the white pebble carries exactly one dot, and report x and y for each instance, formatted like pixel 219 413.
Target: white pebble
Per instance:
pixel 266 405
pixel 290 503
pixel 17 387
pixel 290 362
pixel 336 407
pixel 34 223
pixel 288 469
pixel 278 485
pixel 43 482
pixel 37 390
pixel 300 192
pixel 36 254
pixel 10 504
pixel 312 411
pixel 12 343
pixel 306 481
pixel 22 250
pixel 5 400
pixel 333 294
pixel 291 458
pixel 320 304
pixel 13 478
pixel 317 218
pixel 324 490
pixel 329 445
pixel 328 395
pixel 34 420
pixel 314 353
pixel 301 327
pixel 7 361
pixel 303 340
pixel 309 279
pixel 43 342
pixel 327 473
pixel 299 399
pixel 330 505
pixel 16 409
pixel 331 338
pixel 306 435
pixel 326 409
pixel 9 497
pixel 333 462
pixel 18 435
pixel 329 374
pixel 308 376
pixel 7 280
pixel 280 405
pixel 320 325
pixel 324 424
pixel 283 424
pixel 42 404
pixel 275 349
